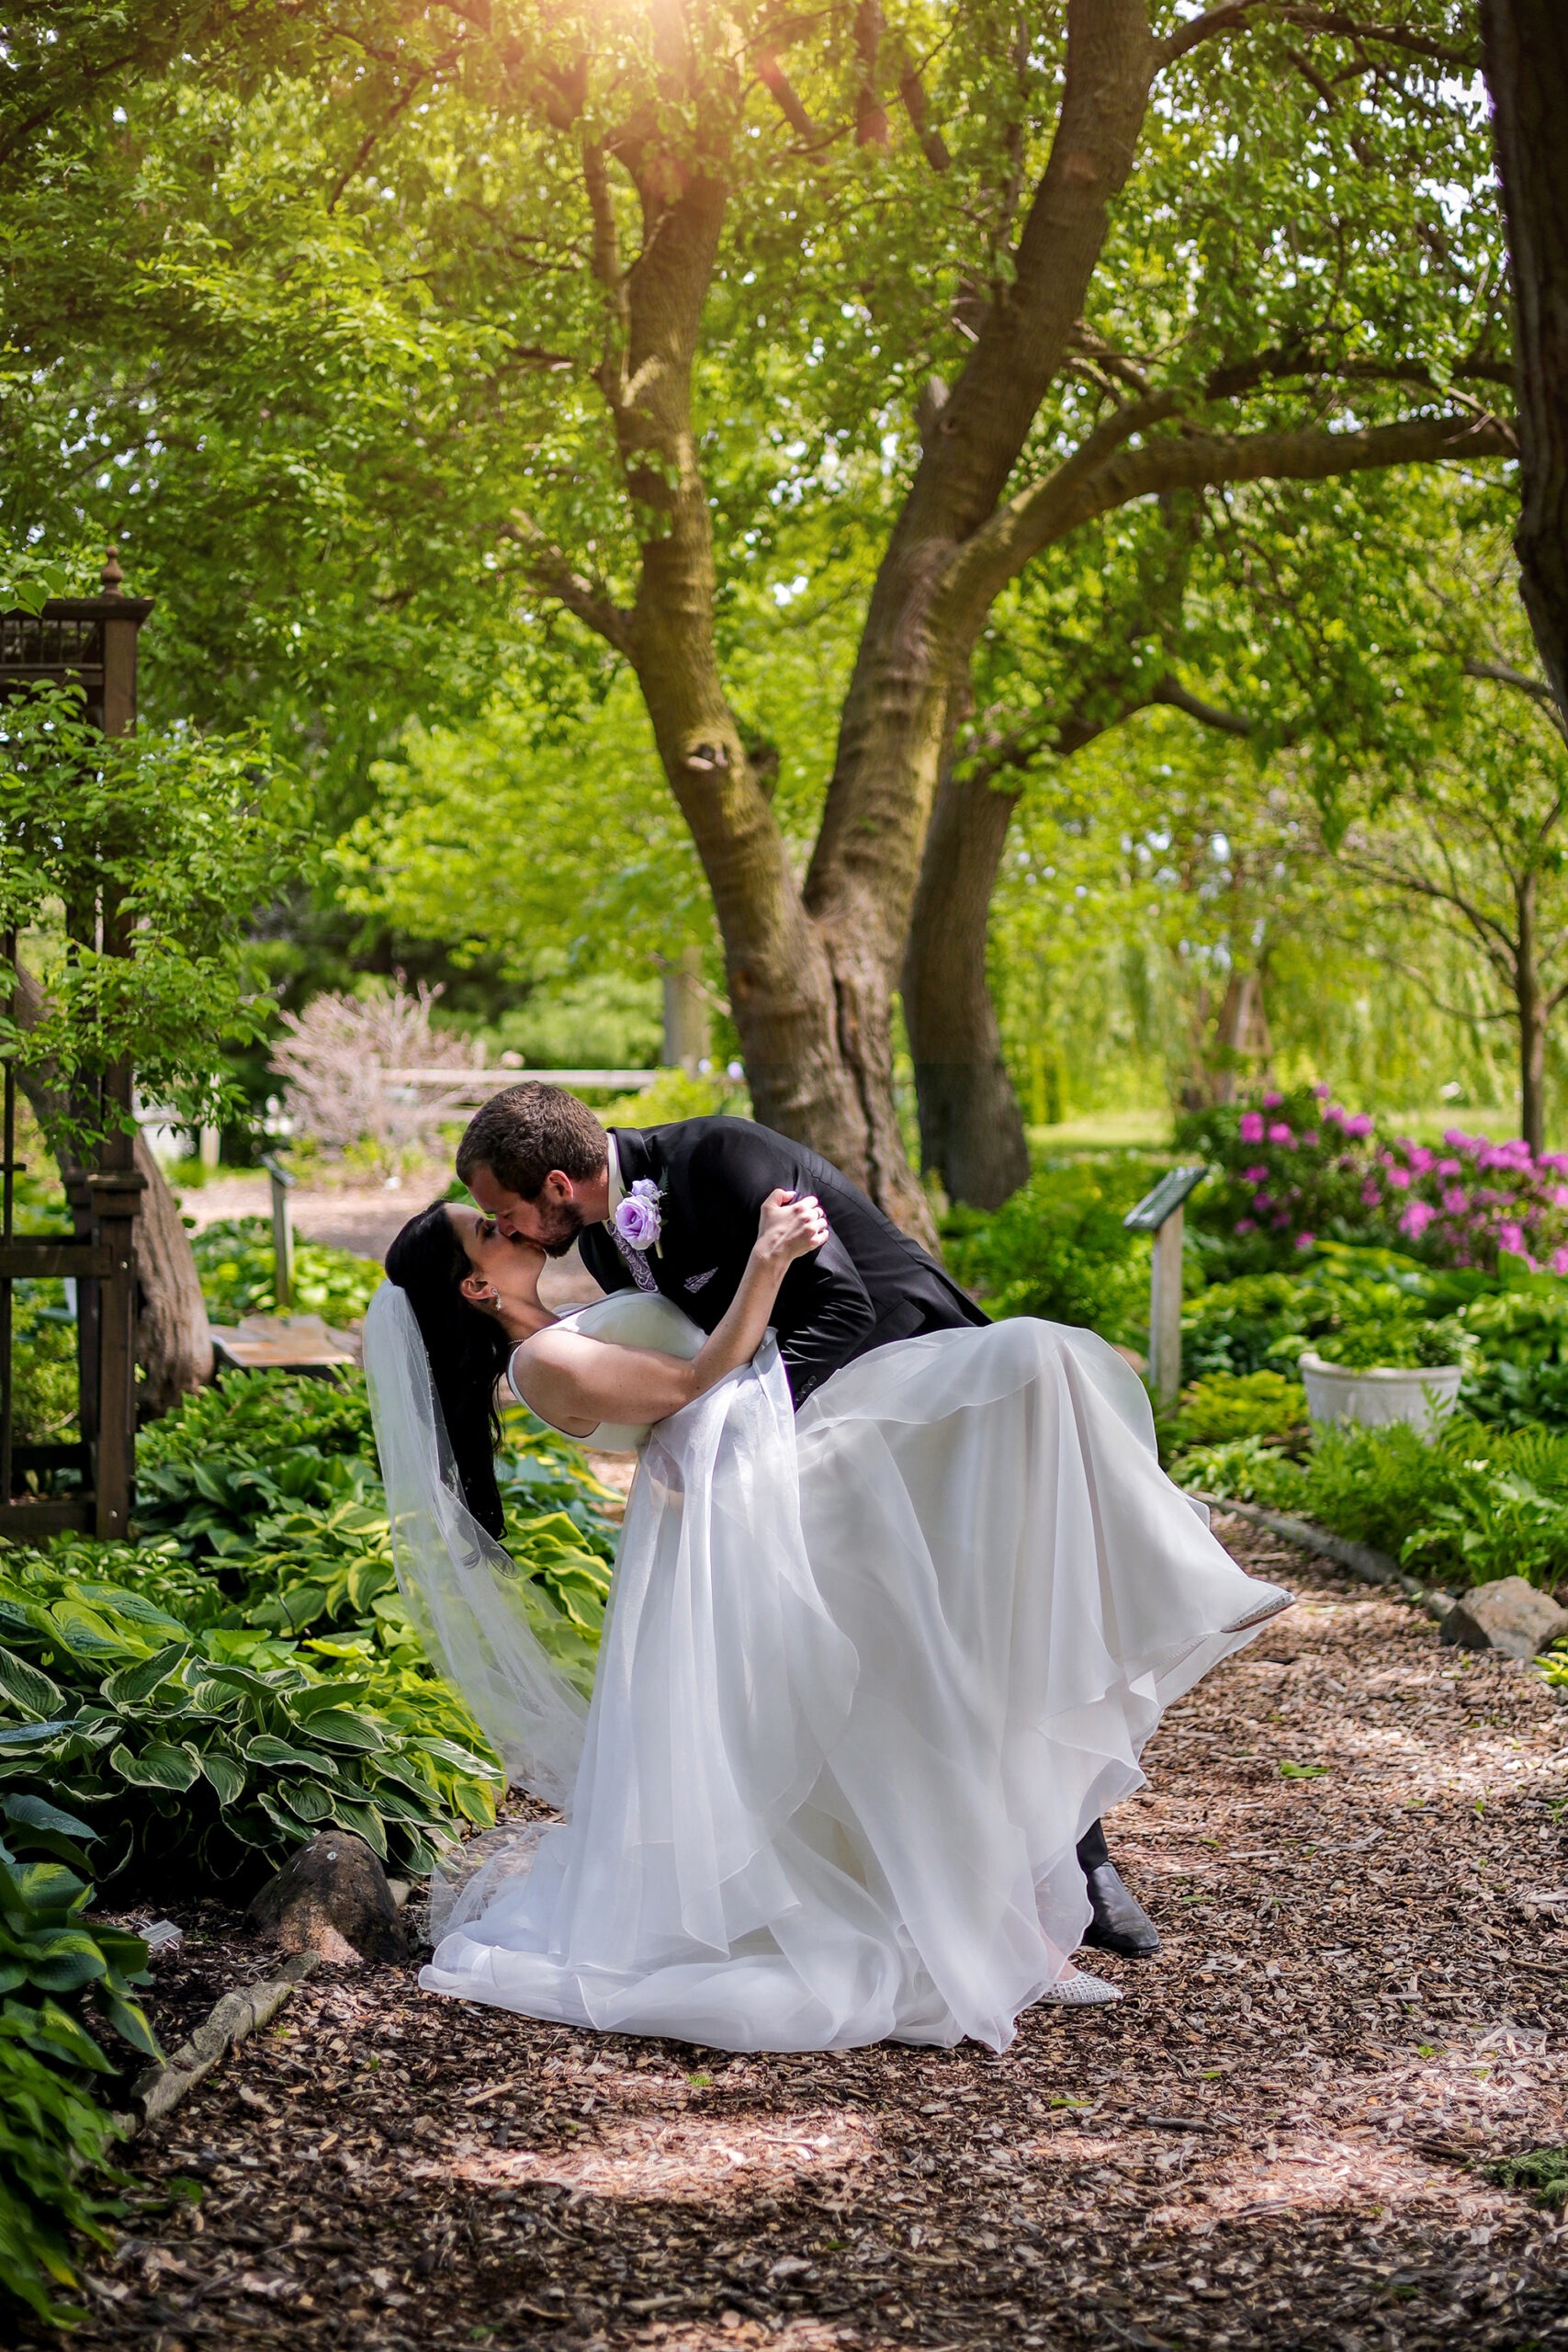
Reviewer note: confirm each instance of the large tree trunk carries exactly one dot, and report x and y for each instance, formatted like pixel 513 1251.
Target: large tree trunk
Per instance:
pixel 911 666
pixel 174 1350
pixel 812 969
pixel 1526 73
pixel 971 1129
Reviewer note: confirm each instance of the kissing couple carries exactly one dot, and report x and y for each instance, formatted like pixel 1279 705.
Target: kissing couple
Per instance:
pixel 900 1597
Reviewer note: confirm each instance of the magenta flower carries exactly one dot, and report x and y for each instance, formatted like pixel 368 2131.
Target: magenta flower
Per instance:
pixel 1281 1134
pixel 1361 1124
pixel 1560 1262
pixel 1249 1225
pixel 1272 1101
pixel 1321 1089
pixel 1399 1178
pixel 1511 1237
pixel 1306 1240
pixel 1371 1196
pixel 1451 1168
pixel 1310 1140
pixel 1255 1175
pixel 1417 1216
pixel 1251 1128
pixel 1454 1201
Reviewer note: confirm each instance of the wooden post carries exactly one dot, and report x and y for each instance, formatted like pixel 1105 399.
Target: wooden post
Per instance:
pixel 687 1020
pixel 117 1201
pixel 282 1233
pixel 89 642
pixel 1165 1309
pixel 1162 1214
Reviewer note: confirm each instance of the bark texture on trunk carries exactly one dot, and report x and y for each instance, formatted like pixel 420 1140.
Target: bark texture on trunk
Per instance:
pixel 1526 49
pixel 174 1350
pixel 971 1129
pixel 812 968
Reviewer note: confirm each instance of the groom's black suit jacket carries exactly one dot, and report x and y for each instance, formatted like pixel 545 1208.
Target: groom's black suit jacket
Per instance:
pixel 867 1285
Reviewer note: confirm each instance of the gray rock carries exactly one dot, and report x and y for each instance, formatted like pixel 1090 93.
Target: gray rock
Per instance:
pixel 332 1899
pixel 1509 1615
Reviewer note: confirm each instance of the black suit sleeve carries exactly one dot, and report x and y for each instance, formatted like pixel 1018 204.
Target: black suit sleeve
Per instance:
pixel 824 1311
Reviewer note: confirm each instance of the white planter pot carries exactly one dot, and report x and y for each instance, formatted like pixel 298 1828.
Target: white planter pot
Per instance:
pixel 1335 1392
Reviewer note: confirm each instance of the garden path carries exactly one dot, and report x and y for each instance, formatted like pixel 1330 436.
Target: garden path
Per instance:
pixel 1276 2141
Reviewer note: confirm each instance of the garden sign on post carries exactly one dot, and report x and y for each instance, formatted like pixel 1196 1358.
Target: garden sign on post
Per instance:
pixel 1160 1213
pixel 89 642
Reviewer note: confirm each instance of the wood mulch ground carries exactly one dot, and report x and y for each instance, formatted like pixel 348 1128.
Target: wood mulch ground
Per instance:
pixel 1277 2139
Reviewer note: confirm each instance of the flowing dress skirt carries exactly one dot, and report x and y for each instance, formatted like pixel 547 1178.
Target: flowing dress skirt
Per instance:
pixel 866 1678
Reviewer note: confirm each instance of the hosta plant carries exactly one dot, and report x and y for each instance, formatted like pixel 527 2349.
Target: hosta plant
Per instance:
pixel 188 1764
pixel 65 1980
pixel 238 1267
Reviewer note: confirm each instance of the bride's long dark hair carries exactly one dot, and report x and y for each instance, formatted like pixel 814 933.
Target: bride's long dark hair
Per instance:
pixel 468 1350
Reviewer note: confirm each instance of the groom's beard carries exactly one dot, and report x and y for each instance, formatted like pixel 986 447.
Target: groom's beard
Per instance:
pixel 559 1228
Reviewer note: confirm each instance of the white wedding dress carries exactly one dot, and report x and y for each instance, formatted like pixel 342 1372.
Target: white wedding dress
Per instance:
pixel 867 1676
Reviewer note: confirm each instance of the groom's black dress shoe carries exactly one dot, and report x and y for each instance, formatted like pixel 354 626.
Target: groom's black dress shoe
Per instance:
pixel 1120 1922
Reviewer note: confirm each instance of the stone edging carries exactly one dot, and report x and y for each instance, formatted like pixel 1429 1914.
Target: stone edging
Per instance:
pixel 1361 1559
pixel 158 2089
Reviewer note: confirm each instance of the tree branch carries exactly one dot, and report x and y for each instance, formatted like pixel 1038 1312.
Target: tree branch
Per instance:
pixel 1241 15
pixel 1174 695
pixel 1101 476
pixel 771 73
pixel 1536 688
pixel 911 90
pixel 550 571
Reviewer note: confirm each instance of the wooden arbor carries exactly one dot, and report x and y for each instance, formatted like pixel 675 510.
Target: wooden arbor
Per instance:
pixel 88 641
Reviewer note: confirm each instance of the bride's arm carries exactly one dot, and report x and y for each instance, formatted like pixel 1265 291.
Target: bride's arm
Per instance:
pixel 577 1381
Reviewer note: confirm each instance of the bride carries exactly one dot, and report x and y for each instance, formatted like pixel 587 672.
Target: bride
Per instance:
pixel 867 1673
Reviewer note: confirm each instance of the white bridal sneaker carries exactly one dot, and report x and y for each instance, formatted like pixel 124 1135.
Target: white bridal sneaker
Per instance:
pixel 1082 1991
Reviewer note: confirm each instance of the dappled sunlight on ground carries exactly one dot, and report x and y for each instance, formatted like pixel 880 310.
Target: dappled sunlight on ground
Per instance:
pixel 1279 2139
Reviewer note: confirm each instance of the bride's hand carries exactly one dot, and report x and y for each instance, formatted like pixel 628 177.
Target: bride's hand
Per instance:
pixel 791 1225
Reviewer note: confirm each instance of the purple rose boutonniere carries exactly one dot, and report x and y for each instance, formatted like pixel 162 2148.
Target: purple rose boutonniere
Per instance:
pixel 638 1218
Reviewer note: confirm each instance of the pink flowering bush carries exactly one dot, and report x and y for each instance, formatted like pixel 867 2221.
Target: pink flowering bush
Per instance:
pixel 1297 1167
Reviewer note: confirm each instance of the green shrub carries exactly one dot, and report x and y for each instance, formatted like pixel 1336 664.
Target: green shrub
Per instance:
pixel 284 1502
pixel 238 1273
pixel 190 1764
pixel 1058 1250
pixel 61 1973
pixel 1471 1502
pixel 1226 1405
pixel 1397 1342
pixel 1542 2173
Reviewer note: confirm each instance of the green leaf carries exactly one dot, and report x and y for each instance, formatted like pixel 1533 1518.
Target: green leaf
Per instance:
pixel 309 1704
pixel 29 1735
pixel 309 1799
pixel 130 2021
pixel 227 1777
pixel 266 1747
pixel 28 1687
pixel 340 1729
pixel 159 1766
pixel 67 1959
pixel 131 1685
pixel 364 1820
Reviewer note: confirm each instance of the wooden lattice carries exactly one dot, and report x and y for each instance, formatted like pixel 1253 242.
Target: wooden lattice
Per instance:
pixel 89 1482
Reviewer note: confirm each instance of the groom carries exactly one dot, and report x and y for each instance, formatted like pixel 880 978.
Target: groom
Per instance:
pixel 675 1209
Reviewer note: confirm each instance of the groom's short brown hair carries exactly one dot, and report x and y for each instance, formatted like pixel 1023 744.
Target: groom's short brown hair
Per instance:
pixel 523 1133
